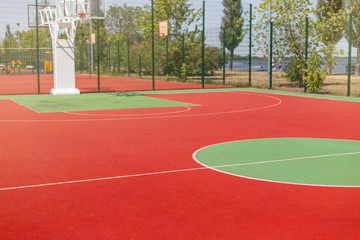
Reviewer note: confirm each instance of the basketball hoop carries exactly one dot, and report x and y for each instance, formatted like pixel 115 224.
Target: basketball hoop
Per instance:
pixel 160 34
pixel 84 17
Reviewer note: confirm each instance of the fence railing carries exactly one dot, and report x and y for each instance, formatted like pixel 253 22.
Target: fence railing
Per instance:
pixel 131 58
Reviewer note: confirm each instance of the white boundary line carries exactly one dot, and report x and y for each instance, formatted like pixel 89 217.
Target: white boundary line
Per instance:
pixel 187 108
pixel 205 167
pixel 153 117
pixel 317 96
pixel 265 91
pixel 102 179
pixel 274 161
pixel 22 105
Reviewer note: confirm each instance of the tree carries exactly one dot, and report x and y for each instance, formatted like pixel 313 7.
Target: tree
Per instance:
pixel 122 23
pixel 354 7
pixel 82 36
pixel 122 27
pixel 180 15
pixel 330 25
pixel 10 40
pixel 289 19
pixel 28 39
pixel 233 23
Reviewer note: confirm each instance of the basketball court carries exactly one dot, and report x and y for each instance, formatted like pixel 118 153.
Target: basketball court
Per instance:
pixel 199 164
pixel 223 163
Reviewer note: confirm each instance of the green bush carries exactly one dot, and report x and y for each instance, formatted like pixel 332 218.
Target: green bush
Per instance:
pixel 314 77
pixel 213 61
pixel 314 80
pixel 294 69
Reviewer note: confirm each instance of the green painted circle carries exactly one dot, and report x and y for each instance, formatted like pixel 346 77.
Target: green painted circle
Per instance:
pixel 306 161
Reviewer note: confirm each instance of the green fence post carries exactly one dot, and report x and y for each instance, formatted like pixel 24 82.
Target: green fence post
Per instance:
pixel 98 52
pixel 118 56
pixel 224 54
pixel 93 57
pixel 182 56
pixel 271 49
pixel 140 65
pixel 306 49
pixel 84 56
pixel 349 55
pixel 250 44
pixel 89 58
pixel 152 45
pixel 128 43
pixel 80 60
pixel 101 47
pixel 182 49
pixel 37 47
pixel 167 56
pixel 109 56
pixel 203 48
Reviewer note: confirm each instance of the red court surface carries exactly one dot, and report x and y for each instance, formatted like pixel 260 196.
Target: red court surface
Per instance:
pixel 28 84
pixel 129 174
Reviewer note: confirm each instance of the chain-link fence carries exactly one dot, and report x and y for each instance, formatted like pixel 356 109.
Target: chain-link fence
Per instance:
pixel 200 51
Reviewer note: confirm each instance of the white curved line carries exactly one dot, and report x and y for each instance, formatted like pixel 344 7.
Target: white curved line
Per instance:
pixel 205 167
pixel 272 161
pixel 153 117
pixel 187 108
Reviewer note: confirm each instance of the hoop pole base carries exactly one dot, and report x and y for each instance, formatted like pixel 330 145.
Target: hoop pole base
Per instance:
pixel 67 91
pixel 64 68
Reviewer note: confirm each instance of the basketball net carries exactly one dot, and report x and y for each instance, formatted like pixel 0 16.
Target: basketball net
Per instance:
pixel 84 17
pixel 160 34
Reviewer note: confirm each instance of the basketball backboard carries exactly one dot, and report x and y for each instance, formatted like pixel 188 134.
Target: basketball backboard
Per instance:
pixel 97 9
pixel 65 10
pixel 31 12
pixel 71 8
pixel 163 28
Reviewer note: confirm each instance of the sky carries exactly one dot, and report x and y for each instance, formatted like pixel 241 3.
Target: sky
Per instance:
pixel 14 12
